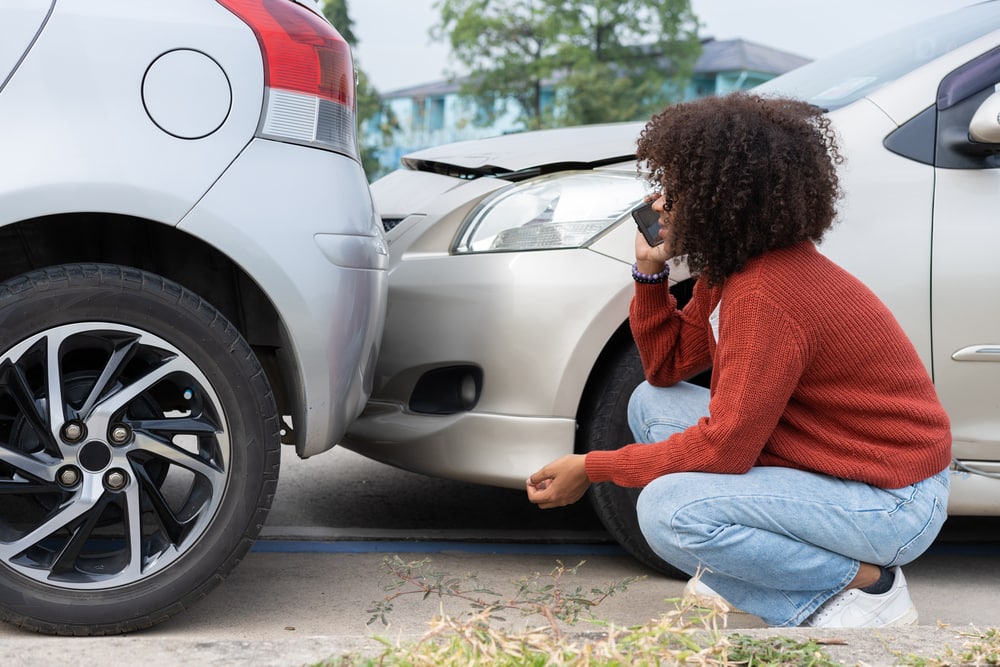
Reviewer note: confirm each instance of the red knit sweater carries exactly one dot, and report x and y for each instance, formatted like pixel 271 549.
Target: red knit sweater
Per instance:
pixel 810 371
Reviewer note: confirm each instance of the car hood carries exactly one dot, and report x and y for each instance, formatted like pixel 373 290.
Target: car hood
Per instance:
pixel 529 153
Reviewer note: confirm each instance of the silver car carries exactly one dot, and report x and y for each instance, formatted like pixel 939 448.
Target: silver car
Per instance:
pixel 192 273
pixel 507 344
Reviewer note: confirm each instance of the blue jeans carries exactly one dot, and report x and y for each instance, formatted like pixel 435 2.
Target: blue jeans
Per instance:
pixel 775 542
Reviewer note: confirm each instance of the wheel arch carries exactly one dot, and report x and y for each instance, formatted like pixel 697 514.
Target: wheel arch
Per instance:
pixel 617 343
pixel 167 251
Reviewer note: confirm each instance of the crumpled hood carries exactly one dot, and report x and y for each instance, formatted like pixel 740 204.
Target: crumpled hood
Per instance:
pixel 586 146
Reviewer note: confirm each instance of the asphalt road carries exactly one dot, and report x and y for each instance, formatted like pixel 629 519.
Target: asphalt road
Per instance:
pixel 342 495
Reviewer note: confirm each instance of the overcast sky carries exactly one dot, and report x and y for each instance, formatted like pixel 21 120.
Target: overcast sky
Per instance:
pixel 396 52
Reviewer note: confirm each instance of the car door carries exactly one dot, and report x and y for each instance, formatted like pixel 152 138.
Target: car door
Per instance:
pixel 20 23
pixel 965 274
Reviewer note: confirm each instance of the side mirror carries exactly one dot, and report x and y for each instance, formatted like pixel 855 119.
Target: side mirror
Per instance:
pixel 984 128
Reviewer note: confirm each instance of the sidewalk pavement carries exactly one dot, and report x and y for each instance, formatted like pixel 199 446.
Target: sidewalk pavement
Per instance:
pixel 286 609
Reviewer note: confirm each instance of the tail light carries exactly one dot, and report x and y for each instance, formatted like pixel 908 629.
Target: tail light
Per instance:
pixel 308 74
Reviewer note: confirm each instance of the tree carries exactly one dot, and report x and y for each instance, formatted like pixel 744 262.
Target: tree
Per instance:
pixel 608 59
pixel 369 102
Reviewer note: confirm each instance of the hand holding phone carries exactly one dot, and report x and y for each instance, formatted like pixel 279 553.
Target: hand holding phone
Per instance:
pixel 648 221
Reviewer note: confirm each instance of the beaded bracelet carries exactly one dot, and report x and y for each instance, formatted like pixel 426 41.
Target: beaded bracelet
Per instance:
pixel 650 279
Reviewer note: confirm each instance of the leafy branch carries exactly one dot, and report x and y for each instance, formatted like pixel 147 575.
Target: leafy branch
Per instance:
pixel 540 595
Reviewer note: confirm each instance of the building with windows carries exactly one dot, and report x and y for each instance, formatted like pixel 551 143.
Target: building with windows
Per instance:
pixel 436 113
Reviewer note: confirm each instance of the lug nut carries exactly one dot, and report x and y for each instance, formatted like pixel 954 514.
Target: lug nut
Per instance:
pixel 120 434
pixel 69 476
pixel 115 480
pixel 73 432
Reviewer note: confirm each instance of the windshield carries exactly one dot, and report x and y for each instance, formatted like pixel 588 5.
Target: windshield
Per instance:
pixel 847 76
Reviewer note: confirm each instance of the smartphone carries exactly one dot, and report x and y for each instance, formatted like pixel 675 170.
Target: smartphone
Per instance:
pixel 648 221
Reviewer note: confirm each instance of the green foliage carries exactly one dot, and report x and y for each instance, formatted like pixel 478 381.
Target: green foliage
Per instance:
pixel 369 102
pixel 776 651
pixel 609 59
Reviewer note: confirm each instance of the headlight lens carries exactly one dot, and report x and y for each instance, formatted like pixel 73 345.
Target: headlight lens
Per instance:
pixel 567 210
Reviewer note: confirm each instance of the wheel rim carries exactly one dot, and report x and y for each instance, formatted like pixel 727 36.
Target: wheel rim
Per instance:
pixel 114 455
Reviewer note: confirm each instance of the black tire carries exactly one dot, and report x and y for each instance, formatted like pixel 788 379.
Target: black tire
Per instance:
pixel 136 482
pixel 604 426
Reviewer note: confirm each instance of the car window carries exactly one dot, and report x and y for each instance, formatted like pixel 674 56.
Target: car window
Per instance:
pixel 845 77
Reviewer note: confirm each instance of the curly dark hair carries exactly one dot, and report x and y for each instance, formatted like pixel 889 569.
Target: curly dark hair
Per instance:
pixel 747 174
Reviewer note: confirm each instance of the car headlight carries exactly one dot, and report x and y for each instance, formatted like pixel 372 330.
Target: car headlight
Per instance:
pixel 567 210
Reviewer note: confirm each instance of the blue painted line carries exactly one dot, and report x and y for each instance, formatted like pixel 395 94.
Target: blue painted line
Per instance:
pixel 376 546
pixel 401 546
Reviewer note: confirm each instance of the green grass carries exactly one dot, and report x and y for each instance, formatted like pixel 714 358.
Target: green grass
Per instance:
pixel 978 649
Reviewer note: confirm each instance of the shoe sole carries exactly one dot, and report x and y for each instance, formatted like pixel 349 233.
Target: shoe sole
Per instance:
pixel 909 618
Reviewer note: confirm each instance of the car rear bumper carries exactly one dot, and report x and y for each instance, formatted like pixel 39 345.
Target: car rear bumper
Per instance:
pixel 313 243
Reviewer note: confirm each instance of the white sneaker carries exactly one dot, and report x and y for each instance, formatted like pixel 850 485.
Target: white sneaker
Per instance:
pixel 703 595
pixel 857 609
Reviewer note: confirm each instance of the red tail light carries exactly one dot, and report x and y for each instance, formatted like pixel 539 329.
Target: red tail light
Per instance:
pixel 308 71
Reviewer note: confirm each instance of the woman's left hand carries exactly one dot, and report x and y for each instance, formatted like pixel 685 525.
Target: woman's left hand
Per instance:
pixel 562 482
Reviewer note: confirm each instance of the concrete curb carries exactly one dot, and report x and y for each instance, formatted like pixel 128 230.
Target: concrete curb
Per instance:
pixel 868 648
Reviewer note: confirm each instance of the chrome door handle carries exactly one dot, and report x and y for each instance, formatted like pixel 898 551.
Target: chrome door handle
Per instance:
pixel 978 353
